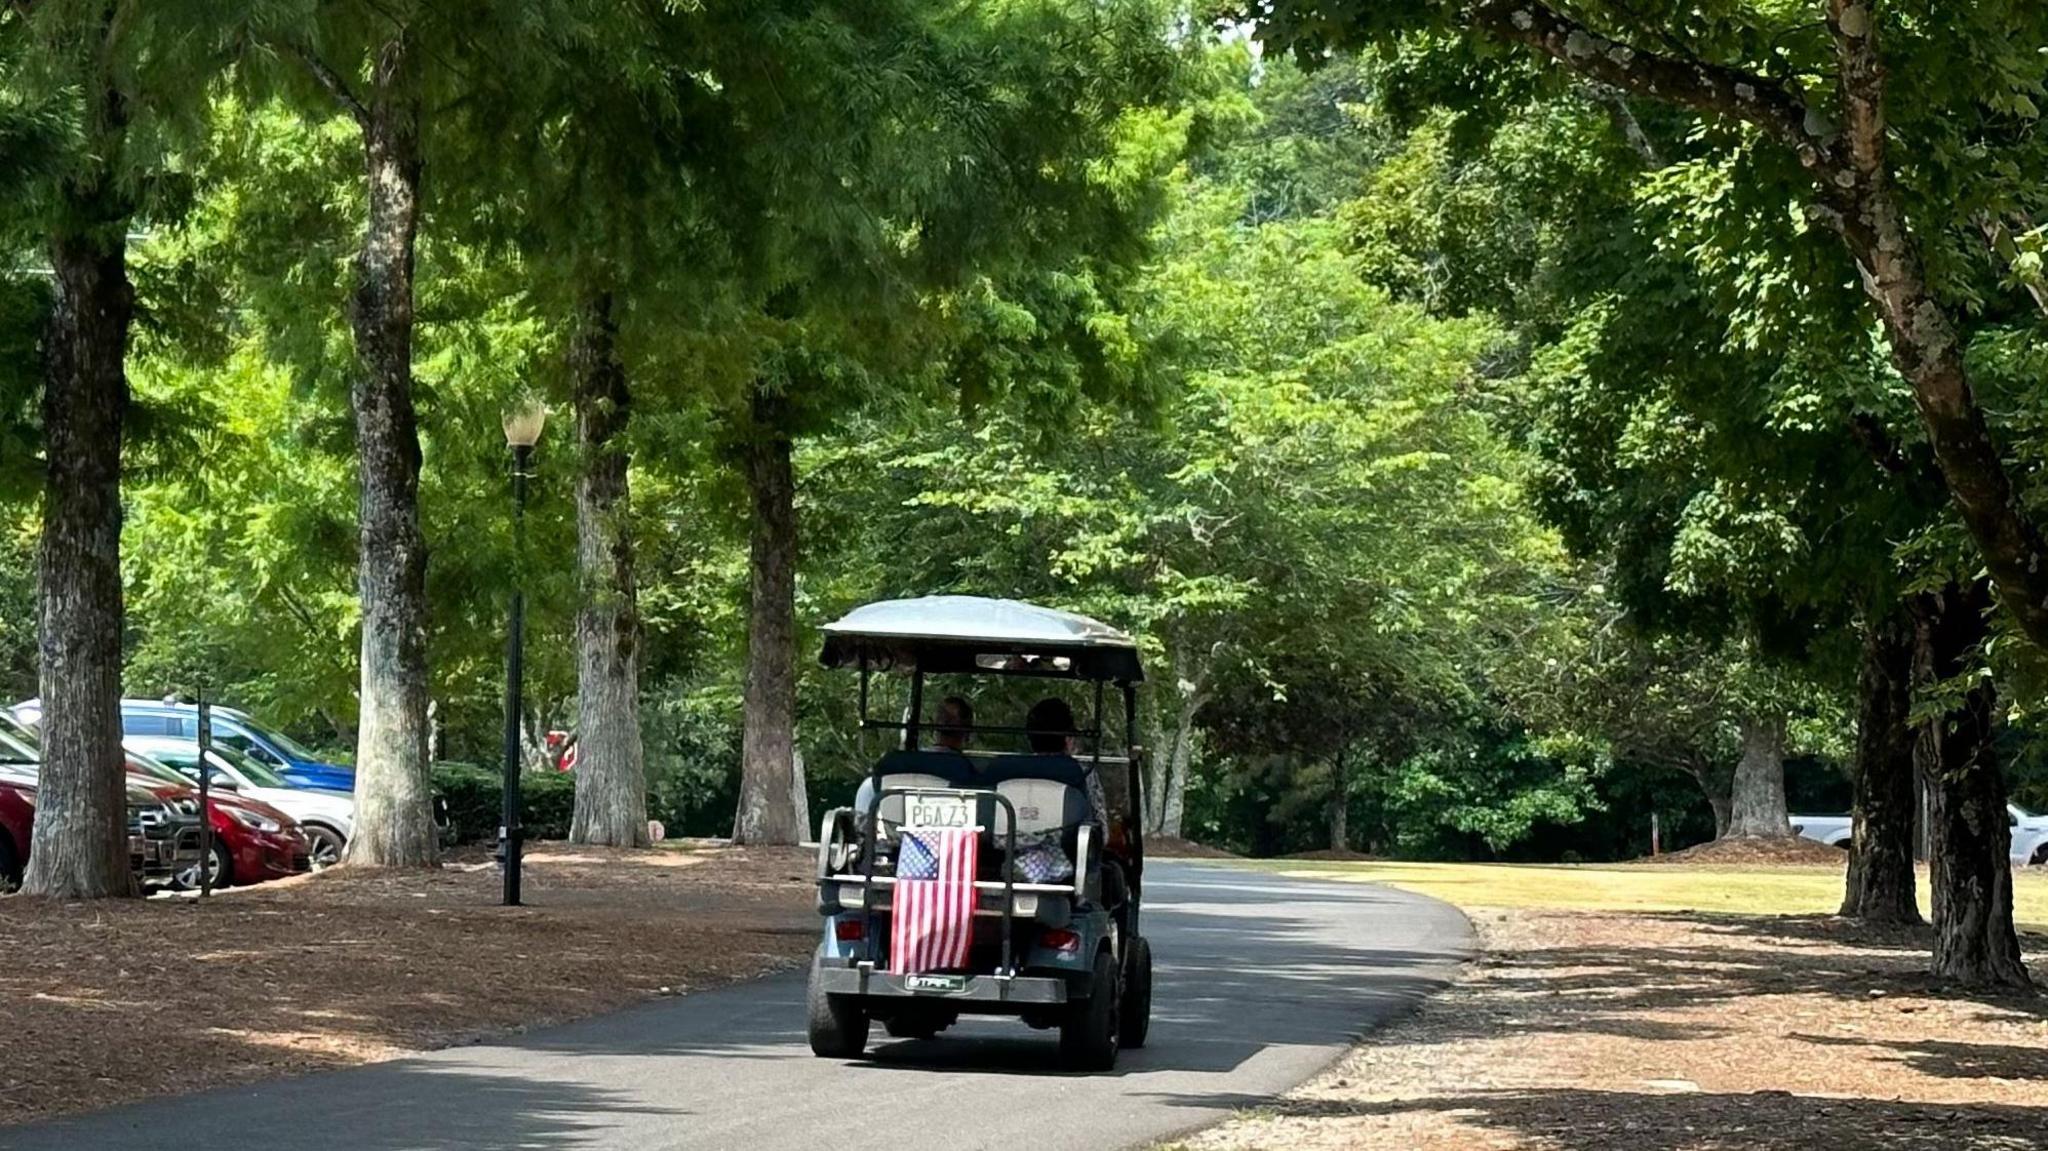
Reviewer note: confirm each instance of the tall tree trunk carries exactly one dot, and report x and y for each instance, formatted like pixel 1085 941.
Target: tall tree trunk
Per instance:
pixel 1881 883
pixel 1191 691
pixel 394 822
pixel 1757 798
pixel 1340 806
pixel 1970 873
pixel 79 847
pixel 768 735
pixel 611 776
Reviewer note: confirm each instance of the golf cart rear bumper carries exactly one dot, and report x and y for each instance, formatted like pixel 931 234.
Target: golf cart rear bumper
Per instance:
pixel 982 991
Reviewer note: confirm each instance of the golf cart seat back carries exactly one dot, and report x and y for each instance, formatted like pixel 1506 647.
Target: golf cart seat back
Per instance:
pixel 1041 805
pixel 911 769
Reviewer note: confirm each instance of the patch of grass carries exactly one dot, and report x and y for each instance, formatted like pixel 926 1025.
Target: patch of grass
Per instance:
pixel 1631 887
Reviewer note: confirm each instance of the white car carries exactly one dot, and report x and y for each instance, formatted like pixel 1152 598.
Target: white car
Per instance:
pixel 327 817
pixel 2029 832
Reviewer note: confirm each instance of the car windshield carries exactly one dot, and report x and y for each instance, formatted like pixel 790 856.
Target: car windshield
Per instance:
pixel 256 773
pixel 14 751
pixel 155 767
pixel 282 742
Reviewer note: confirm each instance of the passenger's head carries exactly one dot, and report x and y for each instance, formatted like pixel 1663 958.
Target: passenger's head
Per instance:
pixel 1051 726
pixel 952 722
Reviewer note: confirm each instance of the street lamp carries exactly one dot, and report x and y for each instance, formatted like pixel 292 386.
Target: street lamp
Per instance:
pixel 523 421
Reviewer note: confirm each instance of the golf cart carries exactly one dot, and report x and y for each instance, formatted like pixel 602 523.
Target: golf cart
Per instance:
pixel 1049 932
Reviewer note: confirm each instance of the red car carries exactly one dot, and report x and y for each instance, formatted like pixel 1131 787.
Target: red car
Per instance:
pixel 252 841
pixel 17 816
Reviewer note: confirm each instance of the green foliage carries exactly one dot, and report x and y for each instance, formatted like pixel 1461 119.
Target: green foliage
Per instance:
pixel 476 801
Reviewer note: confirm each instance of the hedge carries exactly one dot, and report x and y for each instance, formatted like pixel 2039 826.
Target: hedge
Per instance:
pixel 476 801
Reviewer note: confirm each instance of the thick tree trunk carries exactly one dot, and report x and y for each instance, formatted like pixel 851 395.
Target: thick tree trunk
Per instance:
pixel 394 821
pixel 611 776
pixel 1881 883
pixel 1757 798
pixel 766 814
pixel 1970 873
pixel 79 848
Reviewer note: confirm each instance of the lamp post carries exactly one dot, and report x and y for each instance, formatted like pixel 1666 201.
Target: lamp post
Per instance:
pixel 522 430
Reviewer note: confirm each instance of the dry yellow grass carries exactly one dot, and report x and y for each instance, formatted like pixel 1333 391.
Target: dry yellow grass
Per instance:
pixel 1783 890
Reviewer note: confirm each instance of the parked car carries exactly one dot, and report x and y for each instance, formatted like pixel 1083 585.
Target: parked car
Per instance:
pixel 252 841
pixel 163 834
pixel 2029 833
pixel 268 746
pixel 326 817
pixel 17 824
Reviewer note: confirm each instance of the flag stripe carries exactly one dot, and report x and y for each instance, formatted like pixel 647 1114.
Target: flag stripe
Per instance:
pixel 932 925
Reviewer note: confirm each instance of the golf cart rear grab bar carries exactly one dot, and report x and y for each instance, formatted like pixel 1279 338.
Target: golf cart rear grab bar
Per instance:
pixel 867 890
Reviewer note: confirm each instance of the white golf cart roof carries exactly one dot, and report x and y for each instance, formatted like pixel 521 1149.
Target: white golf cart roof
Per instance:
pixel 919 631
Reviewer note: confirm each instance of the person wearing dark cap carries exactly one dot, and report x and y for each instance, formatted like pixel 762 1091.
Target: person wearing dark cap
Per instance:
pixel 1049 727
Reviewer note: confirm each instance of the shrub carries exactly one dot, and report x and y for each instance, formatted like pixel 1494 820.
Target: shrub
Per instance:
pixel 476 799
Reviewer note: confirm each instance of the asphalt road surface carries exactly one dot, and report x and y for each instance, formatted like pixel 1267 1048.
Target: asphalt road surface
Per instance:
pixel 1261 982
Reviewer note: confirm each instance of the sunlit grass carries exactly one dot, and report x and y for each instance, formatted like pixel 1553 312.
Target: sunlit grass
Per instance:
pixel 1593 887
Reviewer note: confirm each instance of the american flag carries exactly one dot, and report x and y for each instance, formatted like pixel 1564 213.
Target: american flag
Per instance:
pixel 933 920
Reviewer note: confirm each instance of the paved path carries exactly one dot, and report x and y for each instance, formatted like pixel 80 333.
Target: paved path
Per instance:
pixel 1261 982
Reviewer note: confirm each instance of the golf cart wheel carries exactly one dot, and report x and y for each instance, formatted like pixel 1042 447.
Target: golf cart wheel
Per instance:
pixel 324 846
pixel 1088 1034
pixel 1136 1005
pixel 838 1028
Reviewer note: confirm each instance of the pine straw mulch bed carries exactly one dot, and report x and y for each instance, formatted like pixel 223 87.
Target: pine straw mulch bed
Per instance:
pixel 1174 847
pixel 1596 1031
pixel 106 1003
pixel 1743 852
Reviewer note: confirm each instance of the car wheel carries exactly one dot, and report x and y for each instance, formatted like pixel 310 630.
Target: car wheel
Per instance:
pixel 2040 856
pixel 837 1026
pixel 1088 1033
pixel 10 867
pixel 223 871
pixel 324 846
pixel 1137 998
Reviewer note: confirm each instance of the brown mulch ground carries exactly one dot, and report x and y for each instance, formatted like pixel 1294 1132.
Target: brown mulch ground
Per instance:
pixel 1598 1031
pixel 1173 847
pixel 1749 852
pixel 105 1003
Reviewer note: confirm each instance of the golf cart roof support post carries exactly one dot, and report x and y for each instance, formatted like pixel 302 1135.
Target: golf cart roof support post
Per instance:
pixel 861 739
pixel 1098 727
pixel 916 709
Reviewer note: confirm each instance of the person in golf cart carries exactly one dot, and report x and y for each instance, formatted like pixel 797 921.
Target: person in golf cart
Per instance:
pixel 986 882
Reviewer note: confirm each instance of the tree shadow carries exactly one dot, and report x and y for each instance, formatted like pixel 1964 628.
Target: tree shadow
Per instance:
pixel 386 1107
pixel 1951 1059
pixel 1587 1120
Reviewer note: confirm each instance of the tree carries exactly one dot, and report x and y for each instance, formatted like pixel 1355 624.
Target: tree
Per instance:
pixel 938 202
pixel 407 76
pixel 1734 70
pixel 94 91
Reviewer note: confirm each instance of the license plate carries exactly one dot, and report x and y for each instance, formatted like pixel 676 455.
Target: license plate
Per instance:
pixel 939 811
pixel 939 983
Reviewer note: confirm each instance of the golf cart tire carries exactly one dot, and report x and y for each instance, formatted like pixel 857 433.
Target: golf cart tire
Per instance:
pixel 1088 1033
pixel 1136 1003
pixel 838 1027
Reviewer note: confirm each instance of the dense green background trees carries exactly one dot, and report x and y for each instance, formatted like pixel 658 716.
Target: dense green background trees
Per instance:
pixel 1487 454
